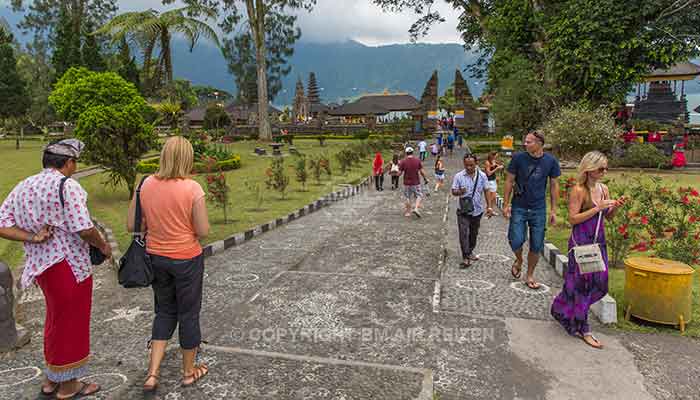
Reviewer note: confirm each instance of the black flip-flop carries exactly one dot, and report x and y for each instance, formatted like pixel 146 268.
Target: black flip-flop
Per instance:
pixel 82 392
pixel 520 270
pixel 47 395
pixel 465 265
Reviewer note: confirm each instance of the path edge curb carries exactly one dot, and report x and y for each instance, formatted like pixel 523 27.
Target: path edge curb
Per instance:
pixel 605 309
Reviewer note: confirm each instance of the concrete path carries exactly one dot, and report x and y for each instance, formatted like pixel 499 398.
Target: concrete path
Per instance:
pixel 357 301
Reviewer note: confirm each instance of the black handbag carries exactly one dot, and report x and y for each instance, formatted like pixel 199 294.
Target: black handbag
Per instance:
pixel 135 268
pixel 466 204
pixel 96 255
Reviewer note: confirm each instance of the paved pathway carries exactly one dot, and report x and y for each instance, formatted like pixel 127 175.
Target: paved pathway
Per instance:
pixel 358 302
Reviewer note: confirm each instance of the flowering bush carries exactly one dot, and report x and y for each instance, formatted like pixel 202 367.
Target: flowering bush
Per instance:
pixel 277 178
pixel 217 186
pixel 579 128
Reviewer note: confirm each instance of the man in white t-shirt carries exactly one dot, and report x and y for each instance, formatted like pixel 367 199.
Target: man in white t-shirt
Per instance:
pixel 422 149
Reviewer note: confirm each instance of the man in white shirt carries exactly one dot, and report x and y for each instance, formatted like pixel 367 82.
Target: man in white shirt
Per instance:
pixel 423 149
pixel 470 183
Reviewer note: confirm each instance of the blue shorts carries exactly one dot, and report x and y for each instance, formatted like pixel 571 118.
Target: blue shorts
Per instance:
pixel 520 220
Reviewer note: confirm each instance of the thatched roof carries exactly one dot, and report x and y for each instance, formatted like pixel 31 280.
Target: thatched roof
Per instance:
pixel 379 104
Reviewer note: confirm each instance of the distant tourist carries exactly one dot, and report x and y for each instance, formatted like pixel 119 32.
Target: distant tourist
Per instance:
pixel 395 172
pixel 459 140
pixel 434 149
pixel 422 150
pixel 57 243
pixel 491 168
pixel 412 170
pixel 439 140
pixel 451 142
pixel 175 219
pixel 589 206
pixel 528 175
pixel 439 173
pixel 469 185
pixel 378 172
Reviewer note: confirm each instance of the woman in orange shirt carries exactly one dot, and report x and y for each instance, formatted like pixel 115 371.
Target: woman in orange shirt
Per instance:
pixel 175 219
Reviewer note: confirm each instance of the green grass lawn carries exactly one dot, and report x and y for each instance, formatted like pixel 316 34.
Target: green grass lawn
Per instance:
pixel 109 204
pixel 559 236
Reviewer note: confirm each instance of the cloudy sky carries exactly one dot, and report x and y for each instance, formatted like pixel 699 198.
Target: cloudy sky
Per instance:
pixel 339 20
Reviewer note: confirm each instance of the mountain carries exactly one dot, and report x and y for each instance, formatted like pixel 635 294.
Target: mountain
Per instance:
pixel 343 70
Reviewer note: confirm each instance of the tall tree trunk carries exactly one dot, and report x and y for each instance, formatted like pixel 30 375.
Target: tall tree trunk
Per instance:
pixel 147 66
pixel 167 56
pixel 256 17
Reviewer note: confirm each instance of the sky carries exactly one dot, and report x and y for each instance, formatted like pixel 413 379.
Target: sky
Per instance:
pixel 340 20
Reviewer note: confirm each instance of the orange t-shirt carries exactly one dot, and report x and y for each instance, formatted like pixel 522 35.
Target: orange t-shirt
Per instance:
pixel 167 207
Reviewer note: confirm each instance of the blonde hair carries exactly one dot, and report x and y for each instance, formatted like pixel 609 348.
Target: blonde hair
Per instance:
pixel 592 161
pixel 176 159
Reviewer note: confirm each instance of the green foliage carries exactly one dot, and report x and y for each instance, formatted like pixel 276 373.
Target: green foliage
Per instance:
pixel 227 164
pixel 215 117
pixel 33 66
pixel 217 186
pixel 578 128
pixel 169 113
pixel 301 171
pixel 13 92
pixel 519 102
pixel 256 188
pixel 109 114
pixel 447 101
pixel 643 155
pixel 277 178
pixel 316 168
pixel 127 68
pixel 648 125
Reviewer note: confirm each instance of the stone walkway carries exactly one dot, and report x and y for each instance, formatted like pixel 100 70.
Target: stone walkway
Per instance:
pixel 356 301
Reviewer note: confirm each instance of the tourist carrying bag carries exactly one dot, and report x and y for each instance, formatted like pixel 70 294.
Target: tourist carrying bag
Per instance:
pixel 466 204
pixel 135 269
pixel 96 255
pixel 589 257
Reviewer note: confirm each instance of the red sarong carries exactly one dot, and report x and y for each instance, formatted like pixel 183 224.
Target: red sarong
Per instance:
pixel 67 326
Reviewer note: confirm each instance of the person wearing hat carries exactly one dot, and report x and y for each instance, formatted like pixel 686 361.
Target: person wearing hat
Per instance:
pixel 412 169
pixel 56 242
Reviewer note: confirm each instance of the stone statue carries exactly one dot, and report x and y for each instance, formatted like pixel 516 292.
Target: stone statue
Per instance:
pixel 10 337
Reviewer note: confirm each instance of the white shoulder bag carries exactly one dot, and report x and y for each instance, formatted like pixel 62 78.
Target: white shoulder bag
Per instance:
pixel 589 257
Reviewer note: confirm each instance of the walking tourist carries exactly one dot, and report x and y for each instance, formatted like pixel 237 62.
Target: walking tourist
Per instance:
pixel 491 167
pixel 439 173
pixel 469 185
pixel 434 149
pixel 589 205
pixel 395 172
pixel 378 172
pixel 412 170
pixel 527 177
pixel 422 150
pixel 459 140
pixel 175 219
pixel 57 245
pixel 451 142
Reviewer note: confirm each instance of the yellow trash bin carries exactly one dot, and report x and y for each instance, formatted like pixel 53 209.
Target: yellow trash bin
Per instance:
pixel 507 142
pixel 659 290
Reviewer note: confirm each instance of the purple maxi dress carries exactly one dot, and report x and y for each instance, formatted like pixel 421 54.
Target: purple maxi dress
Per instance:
pixel 571 306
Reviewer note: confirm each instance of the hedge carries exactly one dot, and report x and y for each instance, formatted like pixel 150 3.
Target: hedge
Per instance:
pixel 151 166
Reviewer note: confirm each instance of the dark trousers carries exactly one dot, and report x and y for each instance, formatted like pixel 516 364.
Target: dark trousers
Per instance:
pixel 177 290
pixel 395 181
pixel 379 181
pixel 468 231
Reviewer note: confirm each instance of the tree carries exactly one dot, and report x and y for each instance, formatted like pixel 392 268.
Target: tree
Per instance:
pixel 33 66
pixel 256 14
pixel 578 49
pixel 239 51
pixel 66 43
pixel 15 100
pixel 312 90
pixel 91 51
pixel 127 67
pixel 153 30
pixel 109 115
pixel 215 117
pixel 447 101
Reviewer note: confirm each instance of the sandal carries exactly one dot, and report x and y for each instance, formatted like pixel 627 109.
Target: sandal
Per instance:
pixel 84 391
pixel 465 264
pixel 596 345
pixel 152 388
pixel 199 372
pixel 516 275
pixel 532 284
pixel 54 385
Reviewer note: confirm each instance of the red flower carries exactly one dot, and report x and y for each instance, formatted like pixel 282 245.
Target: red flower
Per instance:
pixel 693 219
pixel 685 200
pixel 641 246
pixel 645 220
pixel 622 229
pixel 694 193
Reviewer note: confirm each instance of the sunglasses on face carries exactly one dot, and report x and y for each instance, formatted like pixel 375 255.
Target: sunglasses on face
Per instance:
pixel 602 169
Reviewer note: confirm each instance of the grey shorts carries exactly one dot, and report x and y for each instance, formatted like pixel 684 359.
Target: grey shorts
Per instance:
pixel 412 191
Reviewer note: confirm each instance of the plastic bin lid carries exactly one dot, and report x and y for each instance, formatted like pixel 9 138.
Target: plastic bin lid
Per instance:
pixel 660 265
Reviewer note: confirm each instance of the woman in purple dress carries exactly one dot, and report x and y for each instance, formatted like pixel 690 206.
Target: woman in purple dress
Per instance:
pixel 589 202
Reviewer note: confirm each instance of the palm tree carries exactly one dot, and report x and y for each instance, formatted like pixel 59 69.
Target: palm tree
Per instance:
pixel 152 30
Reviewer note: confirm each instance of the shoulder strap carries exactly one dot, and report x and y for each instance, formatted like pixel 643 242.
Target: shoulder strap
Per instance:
pixel 60 190
pixel 138 215
pixel 476 182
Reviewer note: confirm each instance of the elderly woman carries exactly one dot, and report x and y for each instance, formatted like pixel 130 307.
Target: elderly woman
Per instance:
pixel 175 218
pixel 56 243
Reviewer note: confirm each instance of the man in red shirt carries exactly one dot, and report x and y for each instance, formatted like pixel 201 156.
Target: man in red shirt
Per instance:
pixel 411 168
